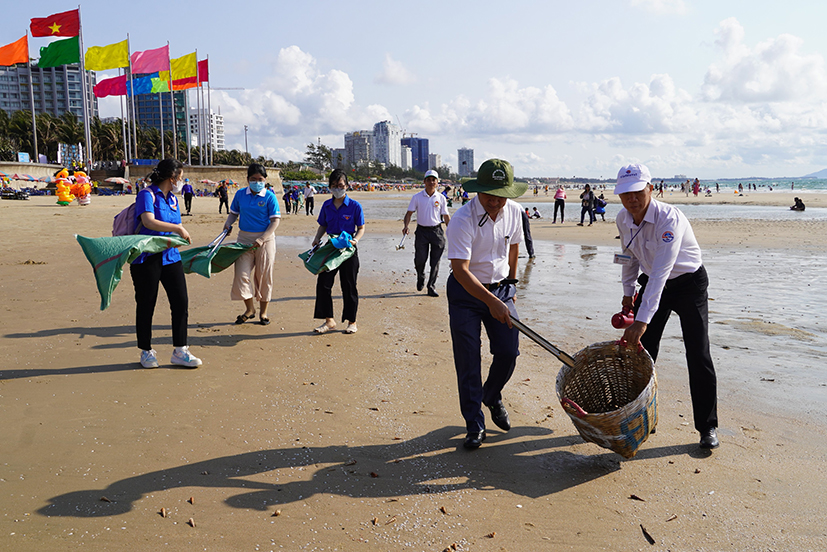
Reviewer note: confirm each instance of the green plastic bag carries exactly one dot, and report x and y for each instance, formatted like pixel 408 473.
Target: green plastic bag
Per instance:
pixel 196 259
pixel 325 258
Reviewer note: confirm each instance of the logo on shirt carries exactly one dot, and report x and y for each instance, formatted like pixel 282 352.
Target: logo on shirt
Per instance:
pixel 261 203
pixel 667 236
pixel 346 217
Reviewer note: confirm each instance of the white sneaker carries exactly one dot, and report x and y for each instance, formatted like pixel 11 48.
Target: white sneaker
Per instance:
pixel 148 359
pixel 182 357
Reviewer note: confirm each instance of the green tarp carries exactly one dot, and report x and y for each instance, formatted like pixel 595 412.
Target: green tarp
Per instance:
pixel 327 257
pixel 108 256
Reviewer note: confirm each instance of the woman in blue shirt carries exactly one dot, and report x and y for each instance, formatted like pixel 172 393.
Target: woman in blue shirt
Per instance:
pixel 337 215
pixel 158 213
pixel 257 211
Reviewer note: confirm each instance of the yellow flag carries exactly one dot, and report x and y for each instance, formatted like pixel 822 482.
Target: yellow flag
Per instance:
pixel 183 67
pixel 101 58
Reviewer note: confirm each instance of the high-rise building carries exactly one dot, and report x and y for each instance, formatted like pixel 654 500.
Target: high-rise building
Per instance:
pixel 406 158
pixel 387 146
pixel 434 161
pixel 151 108
pixel 419 152
pixel 465 161
pixel 358 147
pixel 214 126
pixel 56 89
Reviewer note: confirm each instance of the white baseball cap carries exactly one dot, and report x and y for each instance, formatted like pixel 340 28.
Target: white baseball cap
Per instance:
pixel 632 178
pixel 432 173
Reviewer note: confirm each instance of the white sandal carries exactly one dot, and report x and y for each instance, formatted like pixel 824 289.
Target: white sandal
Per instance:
pixel 351 328
pixel 324 328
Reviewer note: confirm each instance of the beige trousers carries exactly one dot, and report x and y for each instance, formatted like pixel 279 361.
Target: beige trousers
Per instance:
pixel 260 286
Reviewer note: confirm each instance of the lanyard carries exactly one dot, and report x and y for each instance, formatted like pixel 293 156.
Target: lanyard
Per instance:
pixel 633 237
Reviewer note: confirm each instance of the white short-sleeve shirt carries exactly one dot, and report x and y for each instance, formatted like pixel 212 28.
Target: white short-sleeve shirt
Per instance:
pixel 429 209
pixel 473 236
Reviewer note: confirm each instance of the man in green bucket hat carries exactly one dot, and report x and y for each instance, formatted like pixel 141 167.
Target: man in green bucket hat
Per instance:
pixel 483 244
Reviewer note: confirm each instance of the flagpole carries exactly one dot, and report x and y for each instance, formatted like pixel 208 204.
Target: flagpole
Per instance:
pixel 187 133
pixel 31 98
pixel 198 118
pixel 201 126
pixel 161 109
pixel 209 112
pixel 85 91
pixel 172 108
pixel 132 96
pixel 123 122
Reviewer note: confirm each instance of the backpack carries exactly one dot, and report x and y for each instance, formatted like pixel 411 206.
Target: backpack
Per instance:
pixel 124 222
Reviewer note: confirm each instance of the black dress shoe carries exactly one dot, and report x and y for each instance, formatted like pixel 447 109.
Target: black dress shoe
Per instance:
pixel 709 438
pixel 420 283
pixel 474 439
pixel 432 293
pixel 499 415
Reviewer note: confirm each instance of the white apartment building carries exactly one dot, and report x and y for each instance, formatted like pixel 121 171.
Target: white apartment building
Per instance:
pixel 213 123
pixel 465 161
pixel 387 143
pixel 407 158
pixel 434 161
pixel 358 147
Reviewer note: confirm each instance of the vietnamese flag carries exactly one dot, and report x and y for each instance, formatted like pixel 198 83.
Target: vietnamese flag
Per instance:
pixel 16 52
pixel 59 24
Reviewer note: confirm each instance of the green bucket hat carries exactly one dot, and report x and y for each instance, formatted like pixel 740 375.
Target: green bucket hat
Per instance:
pixel 496 177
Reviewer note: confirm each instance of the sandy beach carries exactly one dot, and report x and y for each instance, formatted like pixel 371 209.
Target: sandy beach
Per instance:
pixel 285 440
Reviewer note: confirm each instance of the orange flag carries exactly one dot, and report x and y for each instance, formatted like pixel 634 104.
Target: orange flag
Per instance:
pixel 16 52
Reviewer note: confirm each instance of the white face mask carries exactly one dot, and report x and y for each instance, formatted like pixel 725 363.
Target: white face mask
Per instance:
pixel 338 193
pixel 178 186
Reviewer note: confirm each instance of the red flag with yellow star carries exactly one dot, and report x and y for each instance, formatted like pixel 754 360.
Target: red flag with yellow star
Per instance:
pixel 59 24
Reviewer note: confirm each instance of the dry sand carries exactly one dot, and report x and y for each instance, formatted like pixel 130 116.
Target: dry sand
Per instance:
pixel 354 441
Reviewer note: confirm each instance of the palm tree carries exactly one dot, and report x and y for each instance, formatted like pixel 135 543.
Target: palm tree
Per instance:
pixel 69 129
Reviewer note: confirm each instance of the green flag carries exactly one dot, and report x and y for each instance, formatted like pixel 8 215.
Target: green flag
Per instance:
pixel 159 85
pixel 60 52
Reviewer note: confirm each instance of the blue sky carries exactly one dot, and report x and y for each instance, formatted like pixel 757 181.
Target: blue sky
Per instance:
pixel 709 88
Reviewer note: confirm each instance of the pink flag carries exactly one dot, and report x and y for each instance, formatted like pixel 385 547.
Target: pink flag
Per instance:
pixel 150 61
pixel 203 70
pixel 111 87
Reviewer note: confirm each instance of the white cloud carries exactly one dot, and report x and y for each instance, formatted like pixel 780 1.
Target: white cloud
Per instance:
pixel 775 70
pixel 661 6
pixel 394 73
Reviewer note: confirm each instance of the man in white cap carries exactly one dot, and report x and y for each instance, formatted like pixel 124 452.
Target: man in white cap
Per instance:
pixel 431 210
pixel 483 244
pixel 659 245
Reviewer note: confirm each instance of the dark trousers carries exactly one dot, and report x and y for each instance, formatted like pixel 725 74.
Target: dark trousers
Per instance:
pixel 145 279
pixel 223 201
pixel 529 243
pixel 590 211
pixel 287 207
pixel 308 205
pixel 467 314
pixel 687 296
pixel 561 204
pixel 433 238
pixel 188 202
pixel 348 271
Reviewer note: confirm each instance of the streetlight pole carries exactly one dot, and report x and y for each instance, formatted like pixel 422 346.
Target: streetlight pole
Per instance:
pixel 246 150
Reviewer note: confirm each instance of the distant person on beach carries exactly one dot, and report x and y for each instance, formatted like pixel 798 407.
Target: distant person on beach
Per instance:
pixel 431 210
pixel 559 203
pixel 587 205
pixel 339 214
pixel 296 198
pixel 481 293
pixel 158 213
pixel 188 193
pixel 257 210
pixel 717 188
pixel 660 189
pixel 660 252
pixel 600 207
pixel 223 197
pixel 536 214
pixel 799 205
pixel 287 198
pixel 529 243
pixel 309 202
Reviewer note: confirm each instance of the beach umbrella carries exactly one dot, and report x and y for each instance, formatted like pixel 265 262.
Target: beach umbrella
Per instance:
pixel 3 175
pixel 210 182
pixel 25 177
pixel 117 180
pixel 229 182
pixel 47 179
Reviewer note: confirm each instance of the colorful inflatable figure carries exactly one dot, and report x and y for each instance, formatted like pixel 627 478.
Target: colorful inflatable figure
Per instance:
pixel 82 189
pixel 64 188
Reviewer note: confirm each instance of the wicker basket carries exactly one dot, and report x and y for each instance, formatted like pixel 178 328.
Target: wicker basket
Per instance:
pixel 611 396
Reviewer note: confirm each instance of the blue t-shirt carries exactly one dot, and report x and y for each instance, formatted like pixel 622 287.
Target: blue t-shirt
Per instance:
pixel 165 209
pixel 187 189
pixel 254 210
pixel 344 219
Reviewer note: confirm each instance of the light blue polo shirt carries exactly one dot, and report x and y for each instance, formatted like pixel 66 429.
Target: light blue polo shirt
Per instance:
pixel 344 219
pixel 166 209
pixel 255 210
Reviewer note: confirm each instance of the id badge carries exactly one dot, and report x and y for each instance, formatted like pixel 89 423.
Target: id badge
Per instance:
pixel 622 259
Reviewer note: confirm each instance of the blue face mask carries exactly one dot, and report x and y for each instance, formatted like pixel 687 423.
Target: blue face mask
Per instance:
pixel 256 186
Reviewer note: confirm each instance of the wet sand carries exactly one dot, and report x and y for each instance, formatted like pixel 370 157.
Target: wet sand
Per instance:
pixel 356 440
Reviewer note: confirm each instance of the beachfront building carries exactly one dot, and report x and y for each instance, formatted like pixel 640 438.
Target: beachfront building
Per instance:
pixel 387 143
pixel 56 89
pixel 419 152
pixel 358 147
pixel 465 161
pixel 407 158
pixel 213 124
pixel 434 161
pixel 156 111
pixel 338 158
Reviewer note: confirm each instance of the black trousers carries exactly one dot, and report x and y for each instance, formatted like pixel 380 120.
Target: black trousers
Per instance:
pixel 348 271
pixel 590 211
pixel 561 204
pixel 529 243
pixel 428 238
pixel 467 315
pixel 188 202
pixel 145 279
pixel 223 201
pixel 308 205
pixel 687 296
